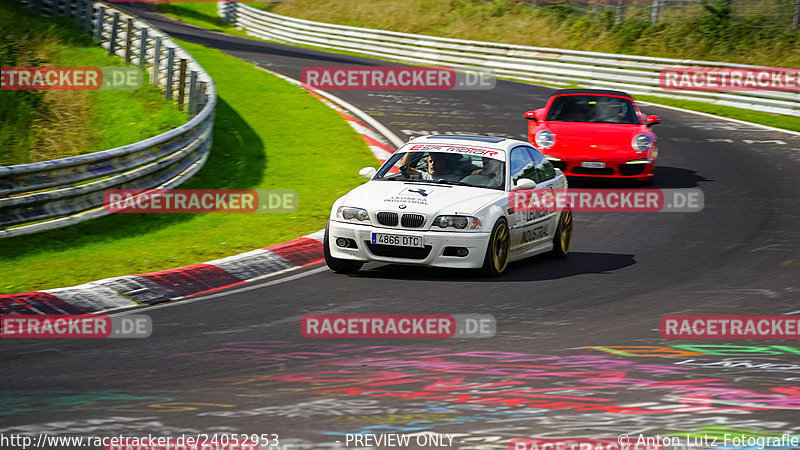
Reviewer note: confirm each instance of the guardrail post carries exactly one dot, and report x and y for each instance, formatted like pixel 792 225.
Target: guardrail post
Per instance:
pixel 86 15
pixel 192 93
pixel 112 41
pixel 656 11
pixel 156 62
pixel 182 84
pixel 128 41
pixel 99 24
pixel 202 98
pixel 170 73
pixel 228 13
pixel 620 11
pixel 80 9
pixel 143 47
pixel 796 21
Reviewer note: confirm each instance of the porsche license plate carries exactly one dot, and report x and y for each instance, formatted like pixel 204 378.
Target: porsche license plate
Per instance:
pixel 397 240
pixel 593 165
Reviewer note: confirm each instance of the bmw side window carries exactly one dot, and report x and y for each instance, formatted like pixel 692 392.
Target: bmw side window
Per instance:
pixel 548 170
pixel 521 165
pixel 544 168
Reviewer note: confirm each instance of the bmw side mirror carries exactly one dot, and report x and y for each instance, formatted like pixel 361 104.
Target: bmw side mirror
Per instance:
pixel 524 183
pixel 367 172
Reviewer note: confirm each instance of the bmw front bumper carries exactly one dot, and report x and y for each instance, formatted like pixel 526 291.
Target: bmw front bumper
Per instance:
pixel 440 249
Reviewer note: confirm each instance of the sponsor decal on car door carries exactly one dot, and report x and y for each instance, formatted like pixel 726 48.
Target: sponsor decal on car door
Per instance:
pixel 531 226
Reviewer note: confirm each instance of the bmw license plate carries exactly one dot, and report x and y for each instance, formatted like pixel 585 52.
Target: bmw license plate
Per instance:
pixel 397 240
pixel 593 165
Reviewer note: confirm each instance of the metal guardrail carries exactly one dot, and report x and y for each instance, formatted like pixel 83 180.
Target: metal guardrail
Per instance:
pixel 57 193
pixel 630 73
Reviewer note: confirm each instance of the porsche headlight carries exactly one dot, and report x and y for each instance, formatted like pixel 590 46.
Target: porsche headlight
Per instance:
pixel 352 214
pixel 458 222
pixel 545 139
pixel 641 142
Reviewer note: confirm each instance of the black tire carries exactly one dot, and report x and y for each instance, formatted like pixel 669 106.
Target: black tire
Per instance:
pixel 563 235
pixel 335 264
pixel 496 259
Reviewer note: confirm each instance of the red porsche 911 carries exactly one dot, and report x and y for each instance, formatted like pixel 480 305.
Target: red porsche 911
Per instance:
pixel 595 133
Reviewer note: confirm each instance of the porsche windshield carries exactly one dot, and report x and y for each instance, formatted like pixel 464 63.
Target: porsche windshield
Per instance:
pixel 593 109
pixel 446 168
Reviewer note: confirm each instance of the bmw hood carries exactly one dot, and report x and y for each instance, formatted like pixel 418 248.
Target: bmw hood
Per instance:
pixel 418 197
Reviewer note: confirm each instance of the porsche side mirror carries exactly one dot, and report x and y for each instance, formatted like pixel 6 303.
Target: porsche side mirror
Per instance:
pixel 367 172
pixel 652 120
pixel 531 115
pixel 524 183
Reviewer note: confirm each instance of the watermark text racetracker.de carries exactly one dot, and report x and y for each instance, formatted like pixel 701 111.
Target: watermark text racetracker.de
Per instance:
pixel 398 326
pixel 69 78
pixel 729 79
pixel 74 326
pixel 606 200
pixel 730 327
pixel 395 78
pixel 200 201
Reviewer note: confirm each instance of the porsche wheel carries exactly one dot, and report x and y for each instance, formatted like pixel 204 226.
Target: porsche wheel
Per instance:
pixel 496 259
pixel 563 235
pixel 335 264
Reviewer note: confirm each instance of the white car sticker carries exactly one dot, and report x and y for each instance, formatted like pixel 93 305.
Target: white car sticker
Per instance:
pixel 495 154
pixel 419 192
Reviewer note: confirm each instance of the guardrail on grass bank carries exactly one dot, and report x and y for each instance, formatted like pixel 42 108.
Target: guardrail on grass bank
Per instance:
pixel 57 193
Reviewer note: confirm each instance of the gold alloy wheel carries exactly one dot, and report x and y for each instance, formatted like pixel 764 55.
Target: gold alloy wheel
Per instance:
pixel 566 230
pixel 500 244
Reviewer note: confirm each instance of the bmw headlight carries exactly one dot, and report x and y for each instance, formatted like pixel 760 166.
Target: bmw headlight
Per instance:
pixel 641 142
pixel 545 139
pixel 458 222
pixel 352 214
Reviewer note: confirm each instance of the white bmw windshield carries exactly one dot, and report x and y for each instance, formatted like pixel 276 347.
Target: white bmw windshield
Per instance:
pixel 446 167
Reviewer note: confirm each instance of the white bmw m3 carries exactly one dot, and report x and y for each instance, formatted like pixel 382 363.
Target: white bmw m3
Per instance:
pixel 443 201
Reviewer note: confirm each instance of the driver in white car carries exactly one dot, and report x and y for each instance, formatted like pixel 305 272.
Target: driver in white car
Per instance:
pixel 440 167
pixel 493 170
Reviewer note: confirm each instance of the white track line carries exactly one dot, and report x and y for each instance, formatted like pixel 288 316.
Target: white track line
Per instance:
pixel 248 287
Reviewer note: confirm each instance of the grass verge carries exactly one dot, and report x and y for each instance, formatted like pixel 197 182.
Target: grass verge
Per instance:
pixel 43 125
pixel 268 134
